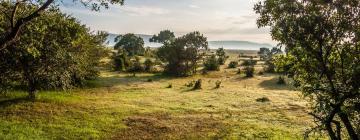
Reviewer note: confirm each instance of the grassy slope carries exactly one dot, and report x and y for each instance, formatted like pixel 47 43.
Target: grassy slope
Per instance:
pixel 119 106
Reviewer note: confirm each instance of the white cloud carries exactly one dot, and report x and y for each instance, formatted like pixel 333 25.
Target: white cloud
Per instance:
pixel 194 6
pixel 143 10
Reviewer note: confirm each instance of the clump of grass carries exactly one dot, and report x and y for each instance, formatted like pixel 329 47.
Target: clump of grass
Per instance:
pixel 197 85
pixel 169 86
pixel 281 81
pixel 263 99
pixel 217 84
pixel 190 84
pixel 238 71
pixel 149 80
pixel 233 64
pixel 249 71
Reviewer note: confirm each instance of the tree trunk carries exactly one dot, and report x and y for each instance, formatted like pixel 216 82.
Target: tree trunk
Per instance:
pixel 31 91
pixel 330 131
pixel 345 119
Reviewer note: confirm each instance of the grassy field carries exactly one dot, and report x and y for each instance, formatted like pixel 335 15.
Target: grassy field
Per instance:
pixel 120 106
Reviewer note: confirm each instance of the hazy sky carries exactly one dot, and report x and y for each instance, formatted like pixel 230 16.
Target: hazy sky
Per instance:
pixel 216 19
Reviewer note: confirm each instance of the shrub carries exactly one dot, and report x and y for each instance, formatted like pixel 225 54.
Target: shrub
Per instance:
pixel 211 64
pixel 149 80
pixel 263 99
pixel 197 85
pixel 233 64
pixel 260 73
pixel 148 65
pixel 250 62
pixel 190 84
pixel 169 86
pixel 217 84
pixel 249 71
pixel 136 67
pixel 281 81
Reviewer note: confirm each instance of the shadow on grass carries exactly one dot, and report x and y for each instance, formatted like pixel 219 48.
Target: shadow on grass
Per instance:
pixel 126 80
pixel 8 102
pixel 272 85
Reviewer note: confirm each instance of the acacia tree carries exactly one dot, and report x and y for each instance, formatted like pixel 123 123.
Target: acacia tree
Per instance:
pixel 182 55
pixel 221 54
pixel 163 36
pixel 54 52
pixel 17 13
pixel 322 38
pixel 132 44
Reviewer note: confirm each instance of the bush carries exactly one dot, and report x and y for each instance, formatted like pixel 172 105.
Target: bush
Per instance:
pixel 169 86
pixel 148 65
pixel 149 80
pixel 197 85
pixel 249 62
pixel 136 67
pixel 249 71
pixel 211 64
pixel 263 99
pixel 217 84
pixel 260 73
pixel 281 81
pixel 233 64
pixel 190 84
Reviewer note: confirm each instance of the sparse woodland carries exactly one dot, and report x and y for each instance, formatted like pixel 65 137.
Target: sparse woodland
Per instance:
pixel 59 80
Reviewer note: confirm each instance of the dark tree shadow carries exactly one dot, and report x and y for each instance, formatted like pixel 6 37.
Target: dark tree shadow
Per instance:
pixel 8 102
pixel 272 85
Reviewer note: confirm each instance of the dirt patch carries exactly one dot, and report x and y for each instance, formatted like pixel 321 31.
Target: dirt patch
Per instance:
pixel 166 126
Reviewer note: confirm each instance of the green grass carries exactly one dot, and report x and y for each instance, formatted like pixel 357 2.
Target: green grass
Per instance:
pixel 119 106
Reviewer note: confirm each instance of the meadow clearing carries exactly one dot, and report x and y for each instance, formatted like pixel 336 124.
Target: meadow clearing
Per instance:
pixel 121 106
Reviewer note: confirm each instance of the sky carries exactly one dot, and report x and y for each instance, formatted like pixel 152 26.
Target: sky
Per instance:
pixel 216 19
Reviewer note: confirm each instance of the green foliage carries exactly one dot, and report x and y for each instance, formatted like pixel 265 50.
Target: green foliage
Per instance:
pixel 249 62
pixel 149 65
pixel 233 64
pixel 221 55
pixel 217 84
pixel 249 71
pixel 197 85
pixel 132 44
pixel 121 60
pixel 323 49
pixel 181 55
pixel 136 66
pixel 54 52
pixel 163 36
pixel 211 63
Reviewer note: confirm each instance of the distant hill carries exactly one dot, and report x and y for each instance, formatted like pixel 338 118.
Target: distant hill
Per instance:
pixel 236 45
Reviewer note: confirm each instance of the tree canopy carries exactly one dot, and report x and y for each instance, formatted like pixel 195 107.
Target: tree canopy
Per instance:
pixel 322 38
pixel 163 36
pixel 181 55
pixel 131 43
pixel 54 52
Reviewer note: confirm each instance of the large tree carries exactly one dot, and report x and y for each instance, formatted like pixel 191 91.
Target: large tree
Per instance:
pixel 131 43
pixel 54 52
pixel 163 36
pixel 182 55
pixel 322 37
pixel 18 13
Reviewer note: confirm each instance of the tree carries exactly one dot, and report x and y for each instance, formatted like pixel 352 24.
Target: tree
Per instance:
pixel 132 44
pixel 17 14
pixel 182 55
pixel 323 38
pixel 269 59
pixel 221 54
pixel 163 36
pixel 54 52
pixel 263 53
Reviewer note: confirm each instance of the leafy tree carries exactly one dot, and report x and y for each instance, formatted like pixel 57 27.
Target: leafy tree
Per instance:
pixel 148 65
pixel 121 60
pixel 132 44
pixel 323 38
pixel 221 54
pixel 263 53
pixel 54 52
pixel 163 37
pixel 249 71
pixel 16 14
pixel 211 63
pixel 182 55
